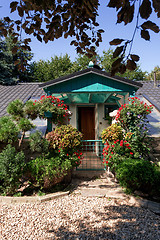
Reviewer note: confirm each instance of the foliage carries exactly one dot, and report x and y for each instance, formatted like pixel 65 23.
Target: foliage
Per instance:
pixel 107 60
pixel 112 133
pixel 155 70
pixel 43 71
pixel 25 125
pixel 66 138
pixel 136 174
pixel 128 156
pixel 11 169
pixel 115 152
pixel 49 20
pixel 53 105
pixel 38 143
pixel 10 63
pixel 8 130
pixel 48 170
pixel 15 109
pixel 133 115
pixel 30 109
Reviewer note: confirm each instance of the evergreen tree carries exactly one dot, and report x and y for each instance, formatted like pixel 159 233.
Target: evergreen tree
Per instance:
pixel 10 63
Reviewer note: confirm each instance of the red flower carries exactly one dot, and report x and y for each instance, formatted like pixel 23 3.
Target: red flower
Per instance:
pixel 131 153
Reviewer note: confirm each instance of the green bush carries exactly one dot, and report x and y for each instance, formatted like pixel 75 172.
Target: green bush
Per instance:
pixel 15 109
pixel 38 143
pixel 11 169
pixel 31 109
pixel 47 170
pixel 136 174
pixel 8 130
pixel 66 138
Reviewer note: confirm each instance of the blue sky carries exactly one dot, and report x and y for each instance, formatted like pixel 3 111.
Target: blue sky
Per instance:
pixel 149 51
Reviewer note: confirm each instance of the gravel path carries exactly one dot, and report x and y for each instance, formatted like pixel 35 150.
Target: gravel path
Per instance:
pixel 77 217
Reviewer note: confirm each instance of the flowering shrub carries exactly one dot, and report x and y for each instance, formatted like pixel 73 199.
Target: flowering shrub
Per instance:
pixel 112 133
pixel 116 152
pixel 133 115
pixel 67 141
pixel 66 138
pixel 128 154
pixel 53 105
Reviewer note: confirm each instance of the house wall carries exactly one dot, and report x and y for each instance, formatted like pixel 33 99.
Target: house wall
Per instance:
pixel 100 122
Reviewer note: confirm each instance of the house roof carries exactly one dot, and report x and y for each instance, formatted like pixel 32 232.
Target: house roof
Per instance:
pixel 87 71
pixel 22 91
pixel 151 93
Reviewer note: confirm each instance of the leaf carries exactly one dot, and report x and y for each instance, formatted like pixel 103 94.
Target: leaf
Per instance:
pixel 145 35
pixel 18 22
pixel 74 43
pixel 135 57
pixel 131 65
pixel 116 63
pixel 150 25
pixel 101 31
pixel 15 40
pixel 39 38
pixel 13 6
pixel 118 51
pixel 115 4
pixel 122 69
pixel 156 6
pixel 145 9
pixel 116 41
pixel 7 19
pixel 14 49
pixel 20 11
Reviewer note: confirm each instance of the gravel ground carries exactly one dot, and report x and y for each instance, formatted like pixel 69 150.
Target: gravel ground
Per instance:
pixel 77 217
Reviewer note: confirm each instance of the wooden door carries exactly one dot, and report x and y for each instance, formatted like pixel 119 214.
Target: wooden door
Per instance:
pixel 87 122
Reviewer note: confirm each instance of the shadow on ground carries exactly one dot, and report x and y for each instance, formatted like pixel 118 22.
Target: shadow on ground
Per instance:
pixel 113 222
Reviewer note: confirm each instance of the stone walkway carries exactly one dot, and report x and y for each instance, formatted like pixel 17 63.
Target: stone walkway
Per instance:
pixel 106 186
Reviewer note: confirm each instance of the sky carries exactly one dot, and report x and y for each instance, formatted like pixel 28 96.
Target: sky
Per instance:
pixel 149 51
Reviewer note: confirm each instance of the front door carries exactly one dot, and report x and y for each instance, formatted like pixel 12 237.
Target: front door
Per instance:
pixel 87 122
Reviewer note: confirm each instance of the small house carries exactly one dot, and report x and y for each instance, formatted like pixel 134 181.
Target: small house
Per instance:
pixel 90 95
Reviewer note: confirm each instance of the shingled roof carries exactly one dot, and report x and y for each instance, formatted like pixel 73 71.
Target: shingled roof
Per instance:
pixel 150 92
pixel 87 71
pixel 22 91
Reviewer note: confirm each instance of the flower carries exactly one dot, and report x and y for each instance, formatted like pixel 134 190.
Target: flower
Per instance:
pixel 131 153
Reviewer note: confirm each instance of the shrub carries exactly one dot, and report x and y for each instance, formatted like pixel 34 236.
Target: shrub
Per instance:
pixel 136 174
pixel 38 143
pixel 31 109
pixel 115 152
pixel 11 169
pixel 133 116
pixel 55 106
pixel 15 109
pixel 49 170
pixel 8 130
pixel 66 138
pixel 112 133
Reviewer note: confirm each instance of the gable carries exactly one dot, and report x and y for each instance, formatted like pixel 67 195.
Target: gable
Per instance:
pixel 91 83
